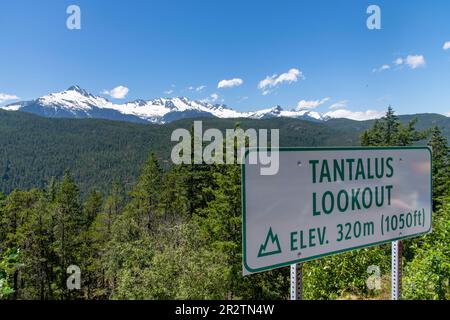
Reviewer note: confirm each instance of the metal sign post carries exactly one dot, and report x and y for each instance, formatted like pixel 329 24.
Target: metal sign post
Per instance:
pixel 296 281
pixel 397 253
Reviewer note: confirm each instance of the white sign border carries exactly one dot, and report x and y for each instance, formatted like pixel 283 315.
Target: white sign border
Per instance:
pixel 248 270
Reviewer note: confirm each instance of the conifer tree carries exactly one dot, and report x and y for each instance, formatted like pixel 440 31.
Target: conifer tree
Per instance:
pixel 36 252
pixel 51 189
pixel 111 209
pixel 391 127
pixel 441 166
pixel 144 205
pixel 92 208
pixel 174 194
pixel 100 234
pixel 374 136
pixel 196 178
pixel 220 228
pixel 131 246
pixel 389 131
pixel 66 211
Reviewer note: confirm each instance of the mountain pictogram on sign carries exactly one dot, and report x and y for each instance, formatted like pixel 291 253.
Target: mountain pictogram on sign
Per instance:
pixel 271 246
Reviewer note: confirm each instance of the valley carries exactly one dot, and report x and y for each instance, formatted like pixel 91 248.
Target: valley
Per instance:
pixel 97 152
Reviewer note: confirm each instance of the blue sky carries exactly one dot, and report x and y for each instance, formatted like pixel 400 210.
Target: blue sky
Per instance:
pixel 321 52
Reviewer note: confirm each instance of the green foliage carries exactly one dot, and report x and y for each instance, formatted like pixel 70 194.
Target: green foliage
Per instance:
pixel 177 269
pixel 174 232
pixel 8 265
pixel 144 206
pixel 389 131
pixel 441 166
pixel 427 276
pixel 99 152
pixel 347 273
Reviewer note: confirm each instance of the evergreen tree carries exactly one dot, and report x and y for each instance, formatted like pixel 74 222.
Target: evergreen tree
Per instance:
pixel 66 211
pixel 174 192
pixel 389 131
pixel 374 136
pixel 92 208
pixel 391 127
pixel 35 243
pixel 144 206
pixel 131 246
pixel 100 235
pixel 441 166
pixel 196 177
pixel 86 243
pixel 14 214
pixel 112 207
pixel 51 189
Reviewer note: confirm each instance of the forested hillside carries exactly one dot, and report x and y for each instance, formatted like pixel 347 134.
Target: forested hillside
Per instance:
pixel 98 152
pixel 177 234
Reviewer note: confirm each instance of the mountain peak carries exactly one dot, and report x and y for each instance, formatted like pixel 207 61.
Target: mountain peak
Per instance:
pixel 277 108
pixel 79 103
pixel 74 88
pixel 78 89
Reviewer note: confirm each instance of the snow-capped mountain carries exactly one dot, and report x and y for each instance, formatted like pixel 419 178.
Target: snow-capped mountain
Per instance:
pixel 76 102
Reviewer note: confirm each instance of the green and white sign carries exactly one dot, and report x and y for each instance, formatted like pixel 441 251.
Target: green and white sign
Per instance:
pixel 327 201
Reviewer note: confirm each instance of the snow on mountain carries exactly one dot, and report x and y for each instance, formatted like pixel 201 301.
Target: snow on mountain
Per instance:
pixel 274 112
pixel 308 114
pixel 76 102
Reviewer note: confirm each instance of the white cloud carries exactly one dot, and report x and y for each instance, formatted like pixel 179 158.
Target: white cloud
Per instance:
pixel 311 104
pixel 384 67
pixel 7 97
pixel 212 98
pixel 415 61
pixel 448 114
pixel 355 115
pixel 197 89
pixel 412 61
pixel 273 81
pixel 169 92
pixel 398 61
pixel 119 92
pixel 446 45
pixel 236 82
pixel 339 104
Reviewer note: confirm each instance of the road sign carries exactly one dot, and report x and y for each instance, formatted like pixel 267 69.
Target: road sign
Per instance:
pixel 326 201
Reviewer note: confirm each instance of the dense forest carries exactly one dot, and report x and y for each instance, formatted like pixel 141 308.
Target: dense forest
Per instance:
pixel 175 232
pixel 98 152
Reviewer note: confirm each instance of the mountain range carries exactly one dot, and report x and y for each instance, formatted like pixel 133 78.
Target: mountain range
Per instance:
pixel 76 102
